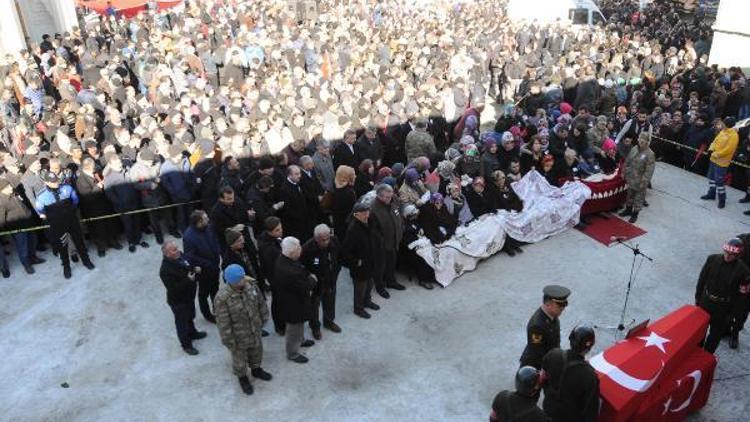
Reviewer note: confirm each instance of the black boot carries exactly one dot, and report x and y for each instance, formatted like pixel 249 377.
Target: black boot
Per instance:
pixel 734 340
pixel 260 374
pixel 247 388
pixel 722 200
pixel 633 217
pixel 626 212
pixel 66 272
pixel 745 199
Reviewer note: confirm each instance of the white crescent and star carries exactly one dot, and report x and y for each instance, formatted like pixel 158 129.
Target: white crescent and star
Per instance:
pixel 696 376
pixel 600 363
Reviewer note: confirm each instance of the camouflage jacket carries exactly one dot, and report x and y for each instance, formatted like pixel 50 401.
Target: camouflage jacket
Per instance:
pixel 639 167
pixel 240 314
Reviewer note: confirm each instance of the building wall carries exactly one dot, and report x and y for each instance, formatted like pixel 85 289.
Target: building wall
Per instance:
pixel 731 41
pixel 37 17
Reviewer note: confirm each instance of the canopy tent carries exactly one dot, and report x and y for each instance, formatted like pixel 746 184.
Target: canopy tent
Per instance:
pixel 126 8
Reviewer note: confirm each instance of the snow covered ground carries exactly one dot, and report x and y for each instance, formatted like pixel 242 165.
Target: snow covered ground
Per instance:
pixel 426 355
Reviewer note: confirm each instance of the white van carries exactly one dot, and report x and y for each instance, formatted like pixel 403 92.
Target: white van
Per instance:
pixel 574 12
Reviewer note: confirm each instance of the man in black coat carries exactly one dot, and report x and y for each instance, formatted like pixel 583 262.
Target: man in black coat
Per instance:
pixel 386 226
pixel 357 254
pixel 269 249
pixel 294 286
pixel 343 154
pixel 94 203
pixel 311 187
pixel 320 255
pixel 179 279
pixel 296 214
pixel 718 289
pixel 368 147
pixel 15 214
pixel 231 211
pixel 260 199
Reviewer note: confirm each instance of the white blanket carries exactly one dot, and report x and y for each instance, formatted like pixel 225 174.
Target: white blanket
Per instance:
pixel 547 210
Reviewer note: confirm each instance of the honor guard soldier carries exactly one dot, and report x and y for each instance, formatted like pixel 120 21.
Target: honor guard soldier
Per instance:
pixel 520 405
pixel 718 290
pixel 571 387
pixel 543 329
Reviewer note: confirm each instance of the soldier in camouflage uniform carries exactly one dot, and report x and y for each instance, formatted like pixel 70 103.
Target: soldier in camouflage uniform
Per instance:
pixel 241 312
pixel 639 167
pixel 419 143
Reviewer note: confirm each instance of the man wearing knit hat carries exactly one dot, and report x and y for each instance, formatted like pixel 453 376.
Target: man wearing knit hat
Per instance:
pixel 241 311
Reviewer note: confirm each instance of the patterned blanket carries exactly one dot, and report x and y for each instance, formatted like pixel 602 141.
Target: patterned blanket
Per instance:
pixel 547 211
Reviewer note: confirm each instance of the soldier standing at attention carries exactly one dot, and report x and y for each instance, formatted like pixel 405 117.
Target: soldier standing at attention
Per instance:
pixel 639 167
pixel 241 311
pixel 718 290
pixel 543 329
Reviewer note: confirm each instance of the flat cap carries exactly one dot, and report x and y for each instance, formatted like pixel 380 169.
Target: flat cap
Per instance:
pixel 360 207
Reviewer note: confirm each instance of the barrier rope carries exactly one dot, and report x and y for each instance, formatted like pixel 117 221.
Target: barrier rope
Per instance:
pixel 696 150
pixel 101 217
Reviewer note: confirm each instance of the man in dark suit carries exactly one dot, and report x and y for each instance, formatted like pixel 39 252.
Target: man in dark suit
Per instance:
pixel 357 253
pixel 296 215
pixel 343 154
pixel 295 287
pixel 178 277
pixel 311 187
pixel 320 255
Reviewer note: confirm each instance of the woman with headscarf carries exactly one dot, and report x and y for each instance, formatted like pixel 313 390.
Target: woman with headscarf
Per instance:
pixel 503 197
pixel 413 191
pixel 477 199
pixel 438 224
pixel 365 179
pixel 446 171
pixel 455 203
pixel 409 258
pixel 344 197
pixel 490 161
pixel 508 150
pixel 531 158
pixel 610 162
pixel 596 135
pixel 470 164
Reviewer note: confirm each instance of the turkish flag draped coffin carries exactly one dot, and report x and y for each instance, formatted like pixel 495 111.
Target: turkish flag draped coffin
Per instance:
pixel 658 374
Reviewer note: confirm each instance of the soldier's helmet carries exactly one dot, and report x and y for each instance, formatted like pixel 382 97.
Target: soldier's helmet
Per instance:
pixel 582 339
pixel 527 380
pixel 733 246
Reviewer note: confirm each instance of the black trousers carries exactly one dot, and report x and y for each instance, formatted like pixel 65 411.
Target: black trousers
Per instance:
pixel 738 315
pixel 718 325
pixel 362 293
pixel 328 299
pixel 60 244
pixel 208 286
pixel 385 269
pixel 184 314
pixel 131 223
pixel 278 323
pixel 155 218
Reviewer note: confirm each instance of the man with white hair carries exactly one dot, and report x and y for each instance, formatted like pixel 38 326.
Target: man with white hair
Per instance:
pixel 320 255
pixel 294 285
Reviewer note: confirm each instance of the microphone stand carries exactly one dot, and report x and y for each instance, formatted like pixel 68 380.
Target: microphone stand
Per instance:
pixel 636 253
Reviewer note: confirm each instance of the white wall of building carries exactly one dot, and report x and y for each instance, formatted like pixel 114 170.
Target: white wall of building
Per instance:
pixel 38 17
pixel 731 42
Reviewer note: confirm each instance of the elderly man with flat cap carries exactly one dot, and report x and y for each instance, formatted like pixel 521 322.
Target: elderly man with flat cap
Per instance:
pixel 543 329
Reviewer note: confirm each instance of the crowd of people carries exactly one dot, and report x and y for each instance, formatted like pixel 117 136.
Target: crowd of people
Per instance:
pixel 282 147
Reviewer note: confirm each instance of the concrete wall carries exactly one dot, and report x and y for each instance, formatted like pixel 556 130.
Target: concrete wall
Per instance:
pixel 38 17
pixel 731 35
